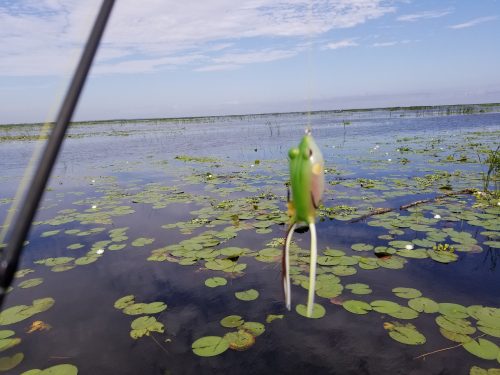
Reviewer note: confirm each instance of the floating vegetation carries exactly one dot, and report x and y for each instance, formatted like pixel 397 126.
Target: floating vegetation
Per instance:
pixel 247 295
pixel 213 231
pixel 8 363
pixel 405 333
pixel 62 369
pixel 18 313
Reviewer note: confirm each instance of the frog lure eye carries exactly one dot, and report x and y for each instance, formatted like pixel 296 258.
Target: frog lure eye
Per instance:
pixel 307 182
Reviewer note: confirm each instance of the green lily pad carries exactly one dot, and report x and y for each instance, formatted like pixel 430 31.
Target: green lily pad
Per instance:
pixel 482 348
pixel 123 302
pixel 7 343
pixel 362 247
pixel 6 333
pixel 326 289
pixel 475 370
pixel 247 295
pixel 18 313
pixel 254 328
pixel 456 325
pixel 115 247
pixel 318 311
pixel 142 241
pixel 453 310
pixel 415 254
pixel 344 270
pixel 232 321
pixel 385 307
pixel 488 316
pixel 50 233
pixel 492 331
pixel 406 334
pixel 144 326
pixel 359 288
pixel 423 304
pixel 454 336
pixel 357 307
pixel 31 283
pixel 404 313
pixel 407 292
pixel 23 272
pixel 394 263
pixel 62 369
pixel 272 317
pixel 210 346
pixel 241 340
pixel 8 363
pixel 75 246
pixel 213 282
pixel 442 256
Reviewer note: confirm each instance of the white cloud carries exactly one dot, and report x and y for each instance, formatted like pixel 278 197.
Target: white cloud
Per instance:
pixel 341 44
pixel 38 36
pixel 424 15
pixel 384 44
pixel 475 21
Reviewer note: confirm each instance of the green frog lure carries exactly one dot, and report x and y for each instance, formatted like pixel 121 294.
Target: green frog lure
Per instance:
pixel 307 184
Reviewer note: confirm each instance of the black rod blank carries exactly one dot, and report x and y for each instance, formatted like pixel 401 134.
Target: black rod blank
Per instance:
pixel 22 224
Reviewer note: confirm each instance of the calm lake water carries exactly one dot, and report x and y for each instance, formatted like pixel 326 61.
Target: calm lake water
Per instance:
pixel 154 209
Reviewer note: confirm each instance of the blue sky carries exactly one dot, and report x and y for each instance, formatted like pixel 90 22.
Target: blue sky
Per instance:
pixel 170 58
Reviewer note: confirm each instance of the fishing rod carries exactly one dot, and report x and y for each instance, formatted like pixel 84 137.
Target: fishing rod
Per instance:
pixel 12 252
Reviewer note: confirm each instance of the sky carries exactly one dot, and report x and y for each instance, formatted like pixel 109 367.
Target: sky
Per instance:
pixel 170 58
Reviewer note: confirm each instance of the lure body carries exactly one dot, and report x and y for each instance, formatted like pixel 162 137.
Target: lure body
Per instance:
pixel 307 180
pixel 307 184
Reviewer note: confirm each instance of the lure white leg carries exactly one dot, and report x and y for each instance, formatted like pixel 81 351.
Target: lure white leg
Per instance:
pixel 312 270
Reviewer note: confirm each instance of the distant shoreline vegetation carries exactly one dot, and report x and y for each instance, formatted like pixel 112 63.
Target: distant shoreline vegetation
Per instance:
pixel 438 110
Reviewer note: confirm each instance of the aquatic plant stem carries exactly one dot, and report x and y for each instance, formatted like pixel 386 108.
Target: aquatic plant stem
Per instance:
pixel 382 210
pixel 312 270
pixel 157 343
pixel 12 253
pixel 443 349
pixel 286 277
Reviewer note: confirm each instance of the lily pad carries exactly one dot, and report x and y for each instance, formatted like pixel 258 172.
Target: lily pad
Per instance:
pixel 210 346
pixel 272 317
pixel 359 288
pixel 404 313
pixel 482 348
pixel 442 256
pixel 123 302
pixel 214 282
pixel 241 340
pixel 423 304
pixel 453 310
pixel 232 321
pixel 144 326
pixel 31 283
pixel 385 307
pixel 456 325
pixel 406 334
pixel 407 292
pixel 62 369
pixel 318 311
pixel 357 307
pixel 7 343
pixel 142 241
pixel 18 313
pixel 454 336
pixel 255 328
pixel 247 295
pixel 362 247
pixel 8 363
